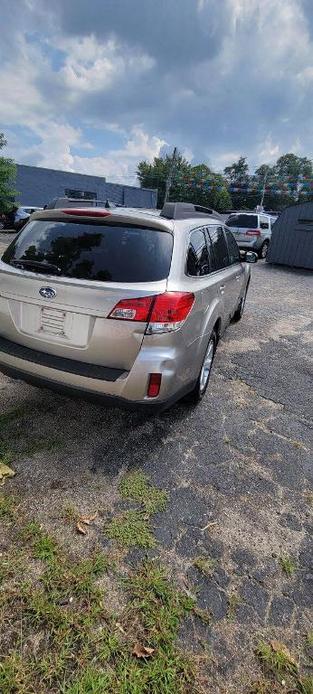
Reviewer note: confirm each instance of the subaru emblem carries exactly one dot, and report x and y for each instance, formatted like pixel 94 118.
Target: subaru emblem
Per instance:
pixel 47 292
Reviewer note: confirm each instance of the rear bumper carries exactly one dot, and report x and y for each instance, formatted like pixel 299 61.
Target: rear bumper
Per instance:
pixel 152 405
pixel 103 384
pixel 253 245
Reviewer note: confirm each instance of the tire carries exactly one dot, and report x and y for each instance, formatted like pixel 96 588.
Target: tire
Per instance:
pixel 263 250
pixel 198 392
pixel 241 307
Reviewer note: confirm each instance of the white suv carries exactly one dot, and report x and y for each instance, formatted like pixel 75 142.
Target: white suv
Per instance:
pixel 252 231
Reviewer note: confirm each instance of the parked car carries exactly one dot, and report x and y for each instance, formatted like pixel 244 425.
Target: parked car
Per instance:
pixel 252 231
pixel 22 216
pixel 121 303
pixel 17 217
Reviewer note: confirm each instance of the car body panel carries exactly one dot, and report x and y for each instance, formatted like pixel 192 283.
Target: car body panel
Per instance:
pixel 74 322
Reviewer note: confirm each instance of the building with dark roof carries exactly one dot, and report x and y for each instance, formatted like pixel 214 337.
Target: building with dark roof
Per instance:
pixel 37 186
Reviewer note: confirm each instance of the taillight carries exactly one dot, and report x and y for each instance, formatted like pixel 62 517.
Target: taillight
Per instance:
pixel 253 232
pixel 154 385
pixel 133 309
pixel 170 311
pixel 81 212
pixel 164 312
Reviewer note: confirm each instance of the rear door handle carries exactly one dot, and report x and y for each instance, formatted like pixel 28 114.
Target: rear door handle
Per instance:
pixel 238 277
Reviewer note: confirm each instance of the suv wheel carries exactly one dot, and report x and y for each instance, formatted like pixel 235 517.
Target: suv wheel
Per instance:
pixel 199 390
pixel 263 250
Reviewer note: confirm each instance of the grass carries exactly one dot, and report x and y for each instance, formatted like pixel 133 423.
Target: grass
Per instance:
pixel 309 639
pixel 277 660
pixel 130 529
pixel 11 416
pixel 43 546
pixel 68 641
pixel 233 602
pixel 288 565
pixel 205 564
pixel 7 507
pixel 279 664
pixel 136 486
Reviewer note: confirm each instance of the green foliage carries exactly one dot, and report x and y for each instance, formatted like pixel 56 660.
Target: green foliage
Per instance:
pixel 7 507
pixel 7 176
pixel 155 175
pixel 205 564
pixel 70 643
pixel 136 486
pixel 277 660
pixel 288 565
pixel 131 529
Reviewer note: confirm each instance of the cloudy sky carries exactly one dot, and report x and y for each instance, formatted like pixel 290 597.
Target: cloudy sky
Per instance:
pixel 96 85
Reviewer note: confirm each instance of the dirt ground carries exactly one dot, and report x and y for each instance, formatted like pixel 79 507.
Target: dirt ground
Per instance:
pixel 237 469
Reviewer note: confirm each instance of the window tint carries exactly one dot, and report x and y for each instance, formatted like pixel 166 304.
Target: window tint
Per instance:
pixel 243 221
pixel 219 247
pixel 233 249
pixel 108 253
pixel 198 257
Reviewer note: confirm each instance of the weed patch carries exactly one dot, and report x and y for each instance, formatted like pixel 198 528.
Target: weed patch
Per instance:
pixel 136 486
pixel 205 565
pixel 130 529
pixel 288 565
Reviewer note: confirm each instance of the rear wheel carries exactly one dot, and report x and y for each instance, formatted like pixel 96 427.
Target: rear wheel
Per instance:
pixel 263 250
pixel 199 390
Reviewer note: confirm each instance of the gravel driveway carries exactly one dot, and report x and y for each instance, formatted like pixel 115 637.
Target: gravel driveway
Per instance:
pixel 237 469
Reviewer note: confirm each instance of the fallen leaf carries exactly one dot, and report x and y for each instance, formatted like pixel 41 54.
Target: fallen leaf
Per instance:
pixel 81 529
pixel 5 471
pixel 277 646
pixel 88 519
pixel 142 651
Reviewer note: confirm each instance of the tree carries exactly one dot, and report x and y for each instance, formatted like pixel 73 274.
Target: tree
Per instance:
pixel 237 176
pixel 294 170
pixel 206 188
pixel 7 175
pixel 197 184
pixel 154 175
pixel 286 182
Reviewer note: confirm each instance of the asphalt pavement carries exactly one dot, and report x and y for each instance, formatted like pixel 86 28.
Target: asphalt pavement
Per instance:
pixel 238 471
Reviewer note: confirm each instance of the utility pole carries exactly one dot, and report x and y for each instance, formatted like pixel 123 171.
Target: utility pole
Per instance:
pixel 170 176
pixel 264 184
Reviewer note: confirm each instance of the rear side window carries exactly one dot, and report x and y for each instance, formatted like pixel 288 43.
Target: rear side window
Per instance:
pixel 108 253
pixel 243 221
pixel 264 223
pixel 220 249
pixel 233 249
pixel 198 256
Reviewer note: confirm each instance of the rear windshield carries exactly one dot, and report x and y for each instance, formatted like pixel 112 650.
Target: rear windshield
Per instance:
pixel 243 220
pixel 108 253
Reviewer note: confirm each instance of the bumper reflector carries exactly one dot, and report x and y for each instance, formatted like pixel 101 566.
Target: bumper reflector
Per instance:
pixel 154 385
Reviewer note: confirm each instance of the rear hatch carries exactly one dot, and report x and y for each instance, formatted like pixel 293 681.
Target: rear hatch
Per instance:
pixel 64 274
pixel 243 226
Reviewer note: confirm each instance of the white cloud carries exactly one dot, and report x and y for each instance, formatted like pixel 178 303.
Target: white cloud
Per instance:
pixel 120 164
pixel 93 66
pixel 268 151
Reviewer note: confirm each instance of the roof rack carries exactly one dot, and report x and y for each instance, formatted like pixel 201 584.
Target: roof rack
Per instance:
pixel 186 210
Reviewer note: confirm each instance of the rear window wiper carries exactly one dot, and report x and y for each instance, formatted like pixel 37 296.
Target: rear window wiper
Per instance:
pixel 36 264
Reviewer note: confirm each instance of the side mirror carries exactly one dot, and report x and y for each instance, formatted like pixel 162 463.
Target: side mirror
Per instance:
pixel 248 257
